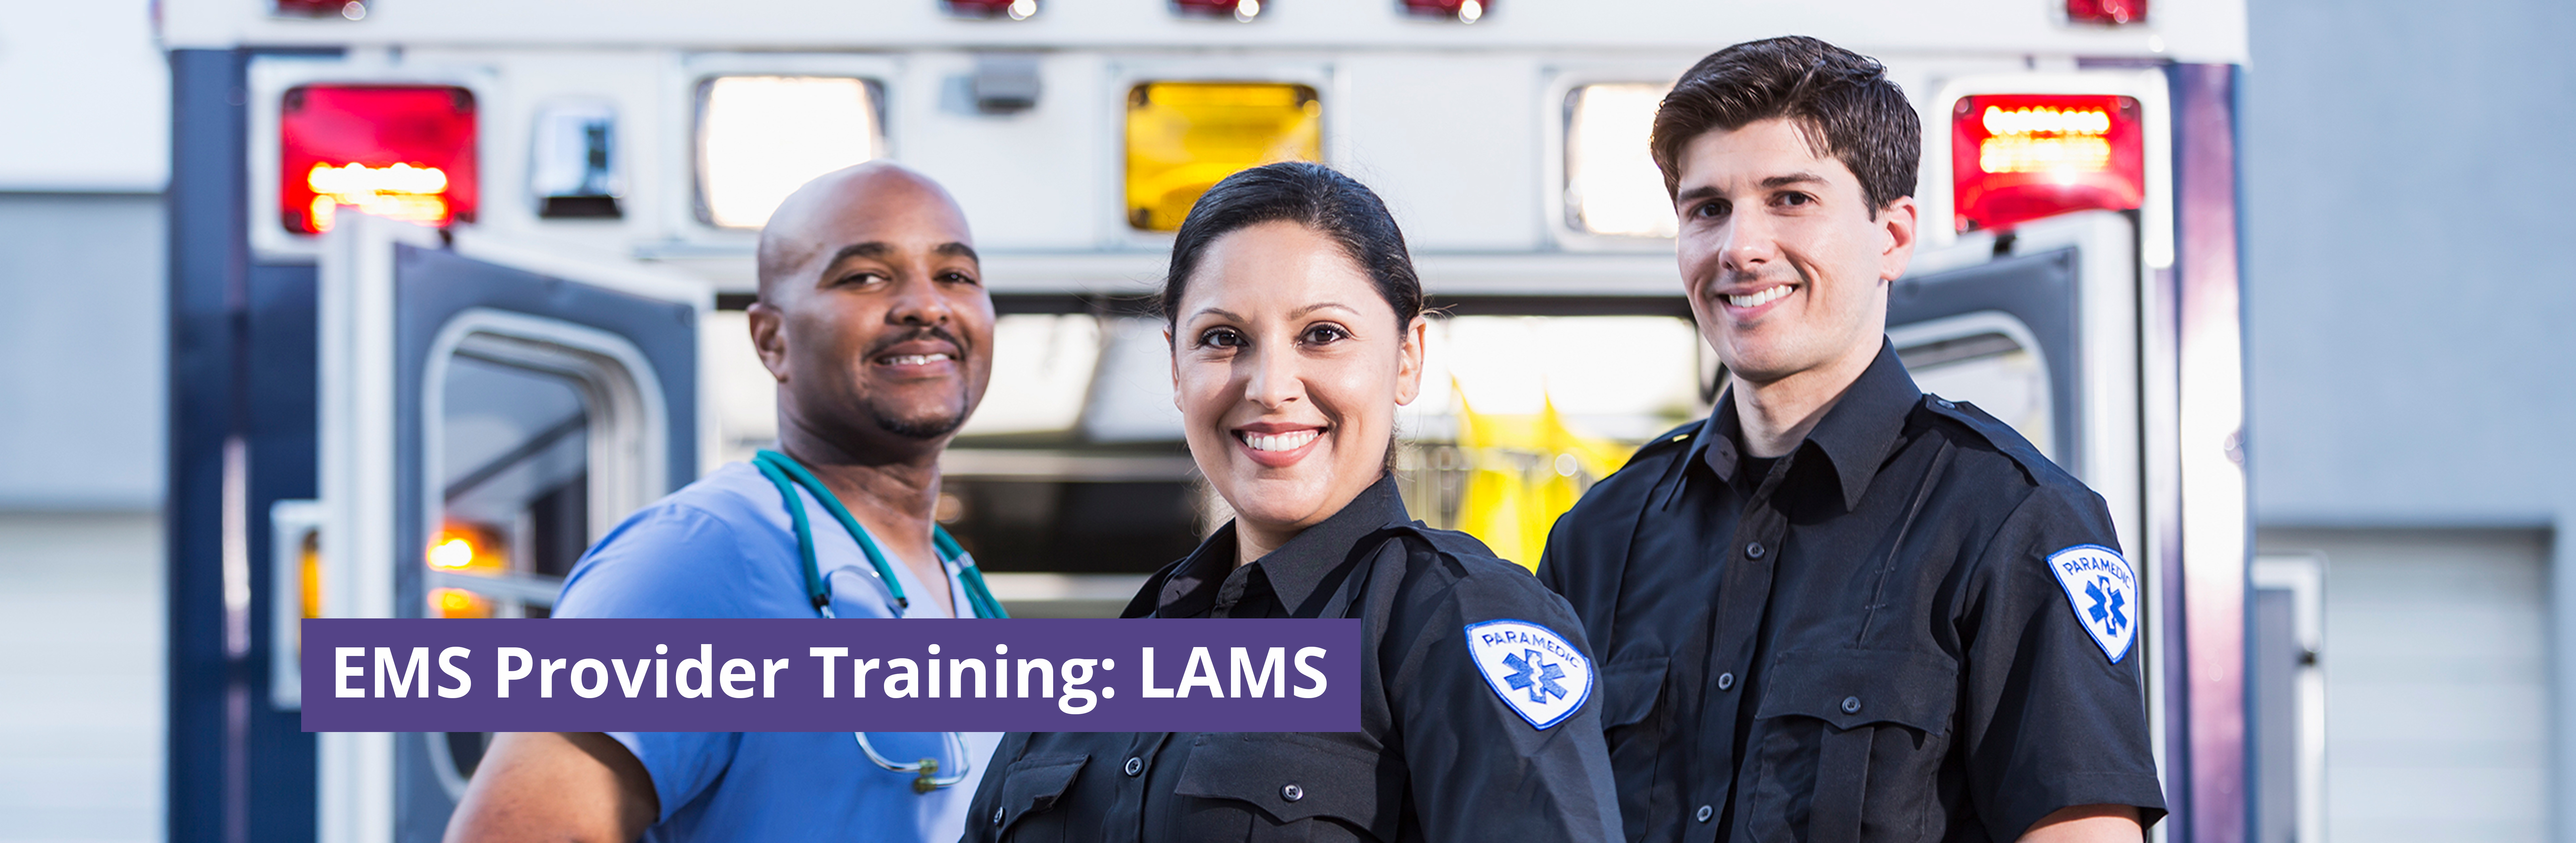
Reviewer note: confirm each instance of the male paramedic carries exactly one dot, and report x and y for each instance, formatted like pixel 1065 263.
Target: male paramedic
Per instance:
pixel 1839 609
pixel 874 321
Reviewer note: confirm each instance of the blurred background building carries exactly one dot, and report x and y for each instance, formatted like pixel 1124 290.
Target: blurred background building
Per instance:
pixel 2409 394
pixel 2407 453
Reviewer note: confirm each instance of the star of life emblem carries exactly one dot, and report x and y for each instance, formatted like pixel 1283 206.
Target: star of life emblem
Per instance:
pixel 1534 670
pixel 2104 591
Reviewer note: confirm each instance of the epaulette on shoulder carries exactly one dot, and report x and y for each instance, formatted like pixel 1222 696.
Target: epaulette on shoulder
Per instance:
pixel 1450 542
pixel 1662 446
pixel 1678 437
pixel 2002 436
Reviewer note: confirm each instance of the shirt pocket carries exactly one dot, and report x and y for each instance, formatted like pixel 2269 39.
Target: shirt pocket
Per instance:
pixel 1848 746
pixel 1025 809
pixel 1311 787
pixel 1630 691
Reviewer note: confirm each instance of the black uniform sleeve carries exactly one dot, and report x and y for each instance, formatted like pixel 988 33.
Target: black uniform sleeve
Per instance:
pixel 2051 715
pixel 1479 769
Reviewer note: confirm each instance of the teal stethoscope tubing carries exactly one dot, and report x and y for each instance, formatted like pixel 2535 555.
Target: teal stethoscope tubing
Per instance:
pixel 787 475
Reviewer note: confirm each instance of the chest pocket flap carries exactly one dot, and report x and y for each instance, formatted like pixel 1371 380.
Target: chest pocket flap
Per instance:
pixel 1849 688
pixel 1031 785
pixel 1294 776
pixel 1631 690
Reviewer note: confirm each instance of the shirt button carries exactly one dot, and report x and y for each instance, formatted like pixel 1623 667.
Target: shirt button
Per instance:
pixel 1753 550
pixel 1851 705
pixel 1945 403
pixel 997 816
pixel 1135 766
pixel 1292 793
pixel 1706 812
pixel 1725 681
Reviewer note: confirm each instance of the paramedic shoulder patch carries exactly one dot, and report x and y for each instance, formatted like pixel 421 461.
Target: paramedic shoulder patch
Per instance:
pixel 1534 670
pixel 2104 591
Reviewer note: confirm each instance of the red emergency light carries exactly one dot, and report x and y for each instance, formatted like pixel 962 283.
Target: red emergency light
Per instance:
pixel 1241 10
pixel 399 151
pixel 351 9
pixel 987 9
pixel 2016 157
pixel 1462 11
pixel 2106 12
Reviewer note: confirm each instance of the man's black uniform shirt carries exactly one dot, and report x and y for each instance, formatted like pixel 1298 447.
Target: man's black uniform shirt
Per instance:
pixel 1861 640
pixel 1440 756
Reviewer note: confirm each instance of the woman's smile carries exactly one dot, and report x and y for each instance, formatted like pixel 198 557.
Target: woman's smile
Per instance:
pixel 1278 445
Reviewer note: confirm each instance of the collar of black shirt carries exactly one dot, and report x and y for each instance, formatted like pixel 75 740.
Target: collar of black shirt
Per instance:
pixel 1292 573
pixel 1855 436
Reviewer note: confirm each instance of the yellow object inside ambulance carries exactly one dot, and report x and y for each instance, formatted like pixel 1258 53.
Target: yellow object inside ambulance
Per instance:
pixel 1523 472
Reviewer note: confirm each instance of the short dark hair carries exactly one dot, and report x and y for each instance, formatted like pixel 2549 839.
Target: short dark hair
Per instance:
pixel 1313 195
pixel 1840 100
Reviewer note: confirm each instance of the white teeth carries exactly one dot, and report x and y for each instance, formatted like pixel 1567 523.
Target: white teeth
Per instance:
pixel 915 359
pixel 1762 298
pixel 1289 441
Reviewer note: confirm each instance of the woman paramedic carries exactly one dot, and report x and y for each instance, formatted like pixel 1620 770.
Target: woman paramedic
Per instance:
pixel 1296 329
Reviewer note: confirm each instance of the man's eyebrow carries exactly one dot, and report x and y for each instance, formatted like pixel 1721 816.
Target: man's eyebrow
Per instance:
pixel 870 249
pixel 1695 194
pixel 1781 181
pixel 959 250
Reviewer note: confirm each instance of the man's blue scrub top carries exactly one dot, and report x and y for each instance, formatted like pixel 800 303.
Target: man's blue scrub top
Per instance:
pixel 723 548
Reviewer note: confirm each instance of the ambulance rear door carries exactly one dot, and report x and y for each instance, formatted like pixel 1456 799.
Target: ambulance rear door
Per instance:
pixel 487 413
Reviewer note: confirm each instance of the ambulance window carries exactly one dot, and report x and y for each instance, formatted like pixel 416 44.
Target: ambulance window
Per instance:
pixel 1988 359
pixel 514 480
pixel 1611 183
pixel 537 447
pixel 761 137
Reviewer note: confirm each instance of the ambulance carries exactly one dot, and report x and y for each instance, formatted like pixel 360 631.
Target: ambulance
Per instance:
pixel 456 285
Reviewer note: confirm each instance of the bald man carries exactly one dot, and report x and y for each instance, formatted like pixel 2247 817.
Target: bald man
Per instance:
pixel 874 320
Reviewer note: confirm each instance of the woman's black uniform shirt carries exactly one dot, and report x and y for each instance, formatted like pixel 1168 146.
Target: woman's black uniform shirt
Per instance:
pixel 1862 640
pixel 1440 757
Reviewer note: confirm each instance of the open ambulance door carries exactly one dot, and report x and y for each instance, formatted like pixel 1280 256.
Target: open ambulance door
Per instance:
pixel 2041 333
pixel 486 414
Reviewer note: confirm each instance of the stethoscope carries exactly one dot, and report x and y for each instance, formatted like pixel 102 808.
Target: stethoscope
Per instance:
pixel 787 475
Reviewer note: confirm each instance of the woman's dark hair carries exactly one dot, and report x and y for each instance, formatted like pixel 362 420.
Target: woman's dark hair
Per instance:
pixel 1311 195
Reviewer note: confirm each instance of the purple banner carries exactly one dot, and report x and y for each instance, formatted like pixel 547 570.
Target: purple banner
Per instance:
pixel 738 675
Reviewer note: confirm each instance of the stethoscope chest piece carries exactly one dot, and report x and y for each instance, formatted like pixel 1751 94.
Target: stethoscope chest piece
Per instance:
pixel 926 777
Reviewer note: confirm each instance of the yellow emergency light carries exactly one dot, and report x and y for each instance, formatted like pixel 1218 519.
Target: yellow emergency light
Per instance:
pixel 310 565
pixel 1184 137
pixel 458 603
pixel 466 549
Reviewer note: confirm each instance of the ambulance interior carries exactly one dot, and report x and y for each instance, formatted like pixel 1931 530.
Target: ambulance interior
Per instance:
pixel 1071 482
